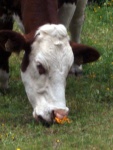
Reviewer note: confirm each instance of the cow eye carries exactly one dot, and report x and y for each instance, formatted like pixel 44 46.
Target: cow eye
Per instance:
pixel 41 69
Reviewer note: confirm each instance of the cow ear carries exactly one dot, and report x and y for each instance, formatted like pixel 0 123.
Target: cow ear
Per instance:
pixel 12 41
pixel 83 53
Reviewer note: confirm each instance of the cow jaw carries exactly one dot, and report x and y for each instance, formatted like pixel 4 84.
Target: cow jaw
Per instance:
pixel 44 79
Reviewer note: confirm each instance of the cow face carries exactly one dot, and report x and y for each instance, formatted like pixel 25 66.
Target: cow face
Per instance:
pixel 44 79
pixel 46 63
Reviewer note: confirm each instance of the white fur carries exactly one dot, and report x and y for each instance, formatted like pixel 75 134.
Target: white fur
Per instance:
pixel 4 76
pixel 51 49
pixel 58 31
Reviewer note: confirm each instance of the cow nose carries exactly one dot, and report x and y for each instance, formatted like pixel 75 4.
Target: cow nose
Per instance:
pixel 60 113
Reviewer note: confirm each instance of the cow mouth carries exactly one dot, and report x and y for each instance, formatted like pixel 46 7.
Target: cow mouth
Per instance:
pixel 44 122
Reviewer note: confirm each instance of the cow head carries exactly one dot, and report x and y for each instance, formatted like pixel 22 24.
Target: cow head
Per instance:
pixel 44 79
pixel 46 63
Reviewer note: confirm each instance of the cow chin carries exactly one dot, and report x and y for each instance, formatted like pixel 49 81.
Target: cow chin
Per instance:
pixel 45 117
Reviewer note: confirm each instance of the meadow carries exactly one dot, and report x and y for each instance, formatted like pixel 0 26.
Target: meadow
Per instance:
pixel 90 98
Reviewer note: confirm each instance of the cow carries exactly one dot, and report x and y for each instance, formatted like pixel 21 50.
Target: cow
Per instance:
pixel 48 53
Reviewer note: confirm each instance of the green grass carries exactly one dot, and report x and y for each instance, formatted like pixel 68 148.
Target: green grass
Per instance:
pixel 90 99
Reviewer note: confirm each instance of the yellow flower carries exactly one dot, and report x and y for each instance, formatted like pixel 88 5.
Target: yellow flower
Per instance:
pixel 13 138
pixel 107 89
pixel 7 134
pixel 18 149
pixel 93 75
pixel 3 125
pixel 57 141
pixel 63 120
pixel 95 10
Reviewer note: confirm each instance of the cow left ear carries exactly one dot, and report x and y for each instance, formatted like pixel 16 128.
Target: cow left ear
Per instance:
pixel 12 41
pixel 85 53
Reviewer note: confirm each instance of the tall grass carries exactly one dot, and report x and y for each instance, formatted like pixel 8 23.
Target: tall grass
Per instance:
pixel 90 99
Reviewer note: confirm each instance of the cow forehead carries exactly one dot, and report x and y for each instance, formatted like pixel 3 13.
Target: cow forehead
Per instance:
pixel 53 30
pixel 51 44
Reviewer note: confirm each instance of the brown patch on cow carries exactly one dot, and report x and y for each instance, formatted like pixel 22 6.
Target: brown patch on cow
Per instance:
pixel 25 61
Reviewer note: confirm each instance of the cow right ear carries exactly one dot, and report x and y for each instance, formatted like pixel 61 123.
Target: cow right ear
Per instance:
pixel 13 41
pixel 83 53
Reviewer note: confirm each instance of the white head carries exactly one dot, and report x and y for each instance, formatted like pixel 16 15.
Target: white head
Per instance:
pixel 44 79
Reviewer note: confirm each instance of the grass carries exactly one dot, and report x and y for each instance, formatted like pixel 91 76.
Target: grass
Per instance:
pixel 90 99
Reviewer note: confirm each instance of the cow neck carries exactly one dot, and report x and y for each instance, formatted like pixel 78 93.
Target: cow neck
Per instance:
pixel 37 13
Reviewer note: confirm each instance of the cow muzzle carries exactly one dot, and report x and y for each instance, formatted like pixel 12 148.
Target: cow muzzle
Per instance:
pixel 57 113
